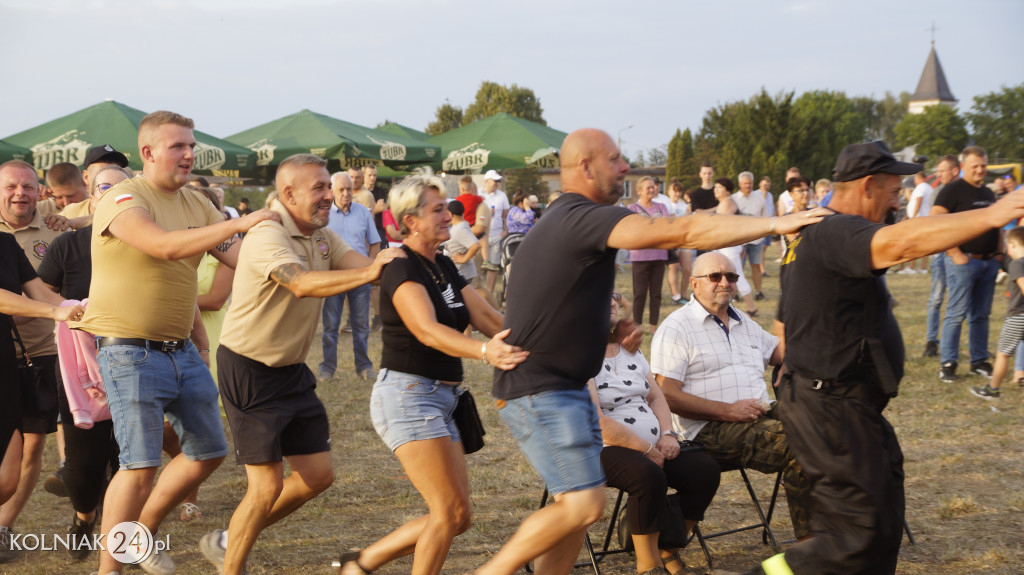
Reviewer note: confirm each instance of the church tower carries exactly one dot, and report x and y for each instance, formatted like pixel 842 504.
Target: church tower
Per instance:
pixel 932 88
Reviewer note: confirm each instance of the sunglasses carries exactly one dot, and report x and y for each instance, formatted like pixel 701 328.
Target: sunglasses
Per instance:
pixel 717 277
pixel 616 296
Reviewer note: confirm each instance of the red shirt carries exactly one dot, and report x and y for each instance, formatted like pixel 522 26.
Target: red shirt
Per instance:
pixel 470 203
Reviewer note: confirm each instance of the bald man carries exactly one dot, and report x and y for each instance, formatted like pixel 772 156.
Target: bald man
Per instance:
pixel 153 352
pixel 558 311
pixel 284 272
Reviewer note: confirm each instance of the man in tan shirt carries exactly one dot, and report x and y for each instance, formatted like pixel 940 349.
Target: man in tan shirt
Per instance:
pixel 360 195
pixel 284 272
pixel 19 194
pixel 149 234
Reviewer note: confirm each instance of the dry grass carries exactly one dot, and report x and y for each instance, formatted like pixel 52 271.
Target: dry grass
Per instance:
pixel 964 468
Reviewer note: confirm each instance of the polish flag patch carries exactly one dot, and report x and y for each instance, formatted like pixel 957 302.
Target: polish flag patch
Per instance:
pixel 122 198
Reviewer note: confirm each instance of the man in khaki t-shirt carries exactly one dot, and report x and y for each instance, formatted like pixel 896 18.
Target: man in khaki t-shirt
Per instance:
pixel 19 195
pixel 284 272
pixel 148 237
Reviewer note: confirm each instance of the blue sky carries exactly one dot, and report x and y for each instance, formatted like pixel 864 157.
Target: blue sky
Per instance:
pixel 656 66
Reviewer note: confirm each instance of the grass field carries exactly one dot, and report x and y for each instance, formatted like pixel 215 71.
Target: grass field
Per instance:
pixel 964 480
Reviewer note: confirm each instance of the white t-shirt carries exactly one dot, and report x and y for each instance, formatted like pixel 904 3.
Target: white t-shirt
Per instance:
pixel 664 200
pixel 462 239
pixel 923 191
pixel 498 202
pixel 787 202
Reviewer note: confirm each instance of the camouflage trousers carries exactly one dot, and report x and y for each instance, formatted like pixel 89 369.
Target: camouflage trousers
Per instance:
pixel 762 446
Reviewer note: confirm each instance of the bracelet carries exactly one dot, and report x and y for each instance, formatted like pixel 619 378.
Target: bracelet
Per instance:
pixel 483 353
pixel 771 227
pixel 202 350
pixel 649 448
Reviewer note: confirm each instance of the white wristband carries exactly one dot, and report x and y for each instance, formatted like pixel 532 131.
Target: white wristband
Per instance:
pixel 483 353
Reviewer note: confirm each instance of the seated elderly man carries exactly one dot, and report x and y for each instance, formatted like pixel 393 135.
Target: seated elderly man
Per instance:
pixel 709 359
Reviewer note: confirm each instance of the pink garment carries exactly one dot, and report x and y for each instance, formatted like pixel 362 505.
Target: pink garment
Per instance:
pixel 76 350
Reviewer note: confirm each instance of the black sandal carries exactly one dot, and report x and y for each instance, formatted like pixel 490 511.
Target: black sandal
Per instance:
pixel 674 558
pixel 350 557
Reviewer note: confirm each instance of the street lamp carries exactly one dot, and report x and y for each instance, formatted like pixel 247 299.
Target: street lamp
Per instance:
pixel 618 140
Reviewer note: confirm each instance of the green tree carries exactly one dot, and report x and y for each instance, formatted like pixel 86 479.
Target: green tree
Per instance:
pixel 690 167
pixel 936 131
pixel 493 98
pixel 822 123
pixel 674 165
pixel 657 156
pixel 526 179
pixel 448 117
pixel 882 115
pixel 997 119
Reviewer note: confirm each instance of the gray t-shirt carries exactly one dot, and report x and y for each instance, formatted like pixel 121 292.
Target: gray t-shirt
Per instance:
pixel 462 239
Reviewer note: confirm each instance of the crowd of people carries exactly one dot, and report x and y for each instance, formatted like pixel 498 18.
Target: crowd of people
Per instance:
pixel 234 299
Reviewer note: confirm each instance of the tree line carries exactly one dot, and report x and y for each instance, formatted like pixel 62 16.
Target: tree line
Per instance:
pixel 768 134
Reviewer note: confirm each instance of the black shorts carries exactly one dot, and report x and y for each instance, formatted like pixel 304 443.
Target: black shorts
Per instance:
pixel 273 412
pixel 47 422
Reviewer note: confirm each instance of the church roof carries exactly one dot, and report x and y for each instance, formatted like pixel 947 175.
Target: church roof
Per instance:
pixel 932 85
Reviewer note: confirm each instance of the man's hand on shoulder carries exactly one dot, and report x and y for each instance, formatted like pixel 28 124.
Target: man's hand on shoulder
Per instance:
pixel 57 223
pixel 248 221
pixel 792 223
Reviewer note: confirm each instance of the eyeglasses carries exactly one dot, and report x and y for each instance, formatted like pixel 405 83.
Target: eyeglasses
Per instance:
pixel 717 277
pixel 616 296
pixel 103 187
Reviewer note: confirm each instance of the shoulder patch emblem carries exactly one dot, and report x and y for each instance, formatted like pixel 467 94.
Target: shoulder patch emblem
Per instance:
pixel 323 247
pixel 122 198
pixel 39 248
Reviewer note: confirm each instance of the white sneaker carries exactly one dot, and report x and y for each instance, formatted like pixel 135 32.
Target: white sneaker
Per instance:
pixel 158 563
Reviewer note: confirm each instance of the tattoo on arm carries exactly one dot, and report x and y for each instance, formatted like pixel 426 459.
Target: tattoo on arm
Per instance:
pixel 285 274
pixel 224 246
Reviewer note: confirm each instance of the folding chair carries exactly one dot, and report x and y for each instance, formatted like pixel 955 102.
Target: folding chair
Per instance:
pixel 767 537
pixel 595 555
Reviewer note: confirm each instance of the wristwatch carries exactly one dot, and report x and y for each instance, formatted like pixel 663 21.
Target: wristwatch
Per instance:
pixel 672 433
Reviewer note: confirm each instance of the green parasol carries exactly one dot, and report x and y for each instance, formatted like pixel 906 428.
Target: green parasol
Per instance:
pixel 9 151
pixel 350 144
pixel 406 131
pixel 498 142
pixel 68 138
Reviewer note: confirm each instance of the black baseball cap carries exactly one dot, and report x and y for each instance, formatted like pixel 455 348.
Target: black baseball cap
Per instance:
pixel 107 154
pixel 859 160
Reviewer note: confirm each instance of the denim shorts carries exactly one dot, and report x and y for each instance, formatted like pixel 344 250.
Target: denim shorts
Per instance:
pixel 143 385
pixel 559 433
pixel 405 407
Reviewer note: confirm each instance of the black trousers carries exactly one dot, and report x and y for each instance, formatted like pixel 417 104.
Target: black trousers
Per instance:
pixel 648 277
pixel 89 453
pixel 694 474
pixel 851 457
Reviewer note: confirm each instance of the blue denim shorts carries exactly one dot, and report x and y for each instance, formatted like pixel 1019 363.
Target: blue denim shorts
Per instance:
pixel 559 433
pixel 143 385
pixel 405 407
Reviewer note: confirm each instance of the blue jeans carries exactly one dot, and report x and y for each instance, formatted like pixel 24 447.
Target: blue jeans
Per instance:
pixel 936 297
pixel 971 287
pixel 359 319
pixel 143 385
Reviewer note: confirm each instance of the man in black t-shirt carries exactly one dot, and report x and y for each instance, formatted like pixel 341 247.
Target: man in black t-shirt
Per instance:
pixel 557 310
pixel 844 359
pixel 703 198
pixel 971 269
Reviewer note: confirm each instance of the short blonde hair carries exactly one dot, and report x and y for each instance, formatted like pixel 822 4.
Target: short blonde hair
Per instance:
pixel 407 197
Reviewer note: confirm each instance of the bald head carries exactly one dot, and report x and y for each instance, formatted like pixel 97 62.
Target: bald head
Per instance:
pixel 592 166
pixel 710 261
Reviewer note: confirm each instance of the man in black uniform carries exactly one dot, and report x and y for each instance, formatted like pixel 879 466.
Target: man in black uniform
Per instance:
pixel 844 357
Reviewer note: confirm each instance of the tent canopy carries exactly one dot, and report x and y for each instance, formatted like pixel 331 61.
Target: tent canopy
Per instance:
pixel 68 138
pixel 498 142
pixel 405 131
pixel 308 132
pixel 9 151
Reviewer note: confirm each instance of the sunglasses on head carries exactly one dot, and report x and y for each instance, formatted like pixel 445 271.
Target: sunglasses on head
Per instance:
pixel 717 277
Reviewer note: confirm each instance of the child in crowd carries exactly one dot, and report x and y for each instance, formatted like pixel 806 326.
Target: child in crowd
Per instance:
pixel 1013 327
